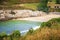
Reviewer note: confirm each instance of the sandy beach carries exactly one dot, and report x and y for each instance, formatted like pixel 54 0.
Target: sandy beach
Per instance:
pixel 41 18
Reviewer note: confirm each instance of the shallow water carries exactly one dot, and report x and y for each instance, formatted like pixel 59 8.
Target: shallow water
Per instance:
pixel 22 26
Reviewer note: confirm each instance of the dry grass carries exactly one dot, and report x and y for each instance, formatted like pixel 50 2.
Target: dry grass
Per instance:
pixel 44 34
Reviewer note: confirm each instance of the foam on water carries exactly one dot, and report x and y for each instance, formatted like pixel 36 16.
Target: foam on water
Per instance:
pixel 34 28
pixel 24 31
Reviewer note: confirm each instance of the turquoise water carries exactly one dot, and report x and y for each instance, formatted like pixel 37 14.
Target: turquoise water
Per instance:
pixel 22 26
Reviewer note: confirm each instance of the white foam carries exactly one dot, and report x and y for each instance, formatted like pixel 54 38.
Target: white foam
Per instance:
pixel 34 28
pixel 24 31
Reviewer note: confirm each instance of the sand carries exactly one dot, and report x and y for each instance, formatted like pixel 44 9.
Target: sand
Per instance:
pixel 41 18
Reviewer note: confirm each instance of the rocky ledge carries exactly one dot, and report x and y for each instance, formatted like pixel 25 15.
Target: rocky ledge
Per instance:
pixel 13 14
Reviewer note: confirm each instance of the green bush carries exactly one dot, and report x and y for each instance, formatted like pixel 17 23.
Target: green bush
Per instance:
pixel 52 22
pixel 43 5
pixel 3 35
pixel 15 35
pixel 46 24
pixel 30 31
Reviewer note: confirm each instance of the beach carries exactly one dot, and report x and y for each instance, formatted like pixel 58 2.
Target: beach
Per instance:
pixel 41 18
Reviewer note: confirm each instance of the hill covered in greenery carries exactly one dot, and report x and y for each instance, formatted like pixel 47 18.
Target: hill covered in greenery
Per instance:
pixel 41 5
pixel 26 1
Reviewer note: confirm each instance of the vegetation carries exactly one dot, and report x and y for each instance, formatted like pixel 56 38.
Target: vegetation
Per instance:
pixel 32 6
pixel 58 1
pixel 30 31
pixel 14 36
pixel 51 23
pixel 9 2
pixel 49 31
pixel 43 5
pixel 3 36
pixel 15 4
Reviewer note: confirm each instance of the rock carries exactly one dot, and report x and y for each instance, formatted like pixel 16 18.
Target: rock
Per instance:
pixel 23 13
pixel 2 16
pixel 6 14
pixel 56 13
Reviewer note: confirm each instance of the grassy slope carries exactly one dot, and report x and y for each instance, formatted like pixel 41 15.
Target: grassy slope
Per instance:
pixel 31 5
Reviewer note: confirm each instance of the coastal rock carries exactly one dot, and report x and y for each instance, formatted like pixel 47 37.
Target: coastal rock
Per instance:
pixel 2 16
pixel 22 13
pixel 56 13
pixel 6 14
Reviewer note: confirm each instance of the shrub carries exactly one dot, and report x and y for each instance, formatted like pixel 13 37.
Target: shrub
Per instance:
pixel 15 35
pixel 52 22
pixel 3 36
pixel 46 24
pixel 30 31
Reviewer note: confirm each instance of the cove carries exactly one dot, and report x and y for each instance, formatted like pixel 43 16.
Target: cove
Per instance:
pixel 22 26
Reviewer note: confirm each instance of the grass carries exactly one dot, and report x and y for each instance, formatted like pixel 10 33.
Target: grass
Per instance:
pixel 44 34
pixel 31 5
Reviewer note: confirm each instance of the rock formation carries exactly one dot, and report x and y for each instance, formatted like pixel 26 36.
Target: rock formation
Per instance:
pixel 11 14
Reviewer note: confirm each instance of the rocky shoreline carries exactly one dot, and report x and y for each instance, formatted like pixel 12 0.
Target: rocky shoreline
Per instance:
pixel 40 19
pixel 15 14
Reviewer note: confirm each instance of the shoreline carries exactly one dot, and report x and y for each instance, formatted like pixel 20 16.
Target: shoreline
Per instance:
pixel 40 19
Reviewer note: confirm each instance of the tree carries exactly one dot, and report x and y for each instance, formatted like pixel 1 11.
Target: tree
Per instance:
pixel 58 1
pixel 1 1
pixel 43 5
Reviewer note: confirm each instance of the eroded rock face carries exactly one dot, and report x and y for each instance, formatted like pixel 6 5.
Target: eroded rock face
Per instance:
pixel 8 14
